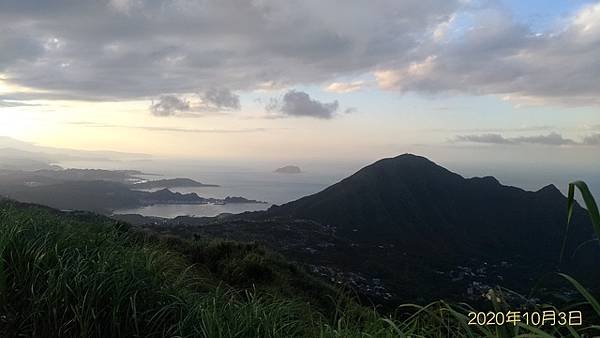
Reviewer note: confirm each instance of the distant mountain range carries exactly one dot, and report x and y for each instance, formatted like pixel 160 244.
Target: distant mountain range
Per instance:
pixel 406 228
pixel 16 154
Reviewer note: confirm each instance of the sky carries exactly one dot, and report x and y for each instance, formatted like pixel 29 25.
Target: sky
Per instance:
pixel 299 80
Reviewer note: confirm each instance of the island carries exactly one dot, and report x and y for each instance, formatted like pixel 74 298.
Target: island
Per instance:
pixel 171 183
pixel 289 169
pixel 166 196
pixel 238 199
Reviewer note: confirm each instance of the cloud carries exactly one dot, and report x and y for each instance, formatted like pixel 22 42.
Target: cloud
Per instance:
pixel 132 49
pixel 124 6
pixel 216 99
pixel 497 55
pixel 344 87
pixel 483 138
pixel 167 129
pixel 495 130
pixel 298 104
pixel 212 100
pixel 551 139
pixel 592 140
pixel 10 104
pixel 168 105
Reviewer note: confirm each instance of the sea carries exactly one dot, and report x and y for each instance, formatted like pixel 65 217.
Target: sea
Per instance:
pixel 258 181
pixel 254 182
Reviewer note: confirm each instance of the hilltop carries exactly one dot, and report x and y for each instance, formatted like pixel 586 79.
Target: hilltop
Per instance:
pixel 405 228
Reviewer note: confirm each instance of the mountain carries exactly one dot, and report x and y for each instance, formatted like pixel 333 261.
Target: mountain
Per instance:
pixel 16 159
pixel 10 148
pixel 98 196
pixel 405 229
pixel 416 204
pixel 19 163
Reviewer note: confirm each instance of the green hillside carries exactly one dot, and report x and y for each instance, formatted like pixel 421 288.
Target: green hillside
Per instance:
pixel 85 275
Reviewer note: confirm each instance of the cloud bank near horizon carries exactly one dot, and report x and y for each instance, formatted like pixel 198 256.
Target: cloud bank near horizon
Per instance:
pixel 551 139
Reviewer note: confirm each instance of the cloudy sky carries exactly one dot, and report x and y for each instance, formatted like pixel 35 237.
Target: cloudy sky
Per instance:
pixel 303 79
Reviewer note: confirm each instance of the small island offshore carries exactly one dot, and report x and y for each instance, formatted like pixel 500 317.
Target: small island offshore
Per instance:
pixel 288 169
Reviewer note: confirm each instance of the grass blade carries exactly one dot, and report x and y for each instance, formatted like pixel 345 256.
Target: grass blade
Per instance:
pixel 585 293
pixel 591 207
pixel 590 204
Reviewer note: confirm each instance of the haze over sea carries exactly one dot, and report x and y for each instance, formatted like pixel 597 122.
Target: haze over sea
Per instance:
pixel 257 181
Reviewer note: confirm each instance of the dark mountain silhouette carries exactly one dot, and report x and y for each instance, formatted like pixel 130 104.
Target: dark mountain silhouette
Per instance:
pixel 413 203
pixel 405 229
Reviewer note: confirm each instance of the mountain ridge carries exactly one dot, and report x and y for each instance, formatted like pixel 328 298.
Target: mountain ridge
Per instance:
pixel 411 207
pixel 405 228
pixel 415 193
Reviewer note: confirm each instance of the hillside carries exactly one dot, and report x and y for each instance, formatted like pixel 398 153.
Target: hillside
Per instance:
pixel 406 229
pixel 81 274
pixel 415 204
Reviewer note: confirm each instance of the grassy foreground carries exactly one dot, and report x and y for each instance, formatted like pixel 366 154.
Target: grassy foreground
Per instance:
pixel 84 275
pixel 88 276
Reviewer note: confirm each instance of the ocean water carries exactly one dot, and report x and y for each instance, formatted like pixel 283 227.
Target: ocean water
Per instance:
pixel 254 183
pixel 259 182
pixel 267 187
pixel 172 211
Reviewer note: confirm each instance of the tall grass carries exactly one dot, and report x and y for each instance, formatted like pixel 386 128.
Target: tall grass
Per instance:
pixel 590 204
pixel 88 276
pixel 69 276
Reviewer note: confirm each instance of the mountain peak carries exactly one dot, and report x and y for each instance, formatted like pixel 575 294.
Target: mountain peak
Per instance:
pixel 409 198
pixel 550 189
pixel 406 160
pixel 406 167
pixel 408 157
